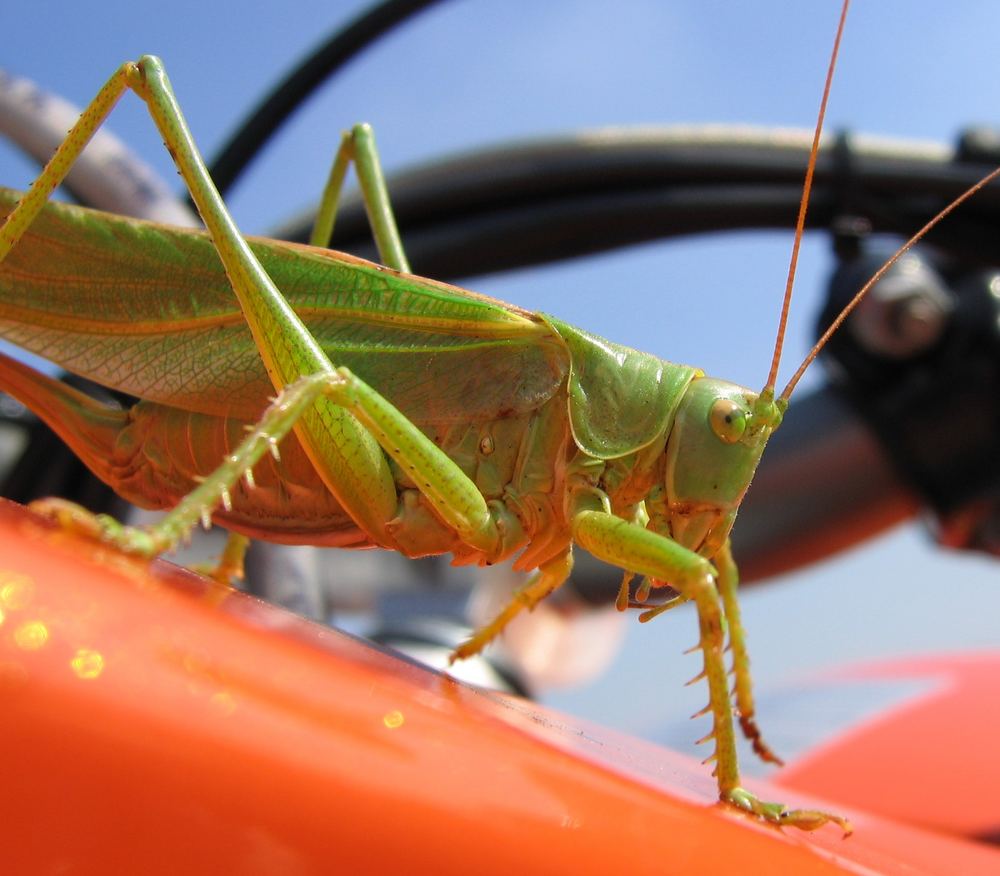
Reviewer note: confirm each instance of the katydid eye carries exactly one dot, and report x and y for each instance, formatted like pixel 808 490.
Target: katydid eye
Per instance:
pixel 728 420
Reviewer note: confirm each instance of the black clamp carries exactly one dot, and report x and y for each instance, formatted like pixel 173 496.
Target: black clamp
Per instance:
pixel 920 361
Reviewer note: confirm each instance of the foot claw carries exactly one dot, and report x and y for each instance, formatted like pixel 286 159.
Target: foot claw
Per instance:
pixel 781 815
pixel 100 527
pixel 70 516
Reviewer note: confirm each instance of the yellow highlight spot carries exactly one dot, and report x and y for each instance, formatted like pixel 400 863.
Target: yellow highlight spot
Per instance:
pixel 394 719
pixel 3 617
pixel 87 664
pixel 31 636
pixel 15 589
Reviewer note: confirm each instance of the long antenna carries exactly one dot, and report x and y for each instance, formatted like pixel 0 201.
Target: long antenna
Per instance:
pixel 879 274
pixel 800 224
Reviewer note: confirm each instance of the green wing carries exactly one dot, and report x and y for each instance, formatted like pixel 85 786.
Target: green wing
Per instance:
pixel 147 309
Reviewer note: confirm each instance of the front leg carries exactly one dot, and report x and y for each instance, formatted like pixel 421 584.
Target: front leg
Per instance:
pixel 742 682
pixel 636 549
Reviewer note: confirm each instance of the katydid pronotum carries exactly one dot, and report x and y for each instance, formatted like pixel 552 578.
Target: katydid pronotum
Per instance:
pixel 480 429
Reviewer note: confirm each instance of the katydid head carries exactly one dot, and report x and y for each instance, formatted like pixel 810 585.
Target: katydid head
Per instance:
pixel 717 438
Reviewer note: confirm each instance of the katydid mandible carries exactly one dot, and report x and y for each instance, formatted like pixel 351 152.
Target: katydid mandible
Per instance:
pixel 437 420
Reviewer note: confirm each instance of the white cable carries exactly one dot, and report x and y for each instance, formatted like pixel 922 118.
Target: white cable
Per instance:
pixel 107 176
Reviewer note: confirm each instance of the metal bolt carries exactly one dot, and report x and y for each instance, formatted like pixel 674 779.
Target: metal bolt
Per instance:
pixel 905 313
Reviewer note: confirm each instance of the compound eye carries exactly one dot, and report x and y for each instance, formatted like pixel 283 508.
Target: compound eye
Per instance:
pixel 728 420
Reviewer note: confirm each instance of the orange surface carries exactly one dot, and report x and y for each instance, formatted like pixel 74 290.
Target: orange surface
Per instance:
pixel 932 760
pixel 152 723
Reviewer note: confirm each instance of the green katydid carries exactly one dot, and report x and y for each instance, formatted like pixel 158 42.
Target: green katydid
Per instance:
pixel 437 420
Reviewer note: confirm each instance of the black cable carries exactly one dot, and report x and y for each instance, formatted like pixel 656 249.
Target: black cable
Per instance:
pixel 293 90
pixel 500 209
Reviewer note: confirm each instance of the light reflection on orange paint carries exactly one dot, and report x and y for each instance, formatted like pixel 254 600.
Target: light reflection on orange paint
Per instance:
pixel 31 636
pixel 394 719
pixel 16 589
pixel 87 664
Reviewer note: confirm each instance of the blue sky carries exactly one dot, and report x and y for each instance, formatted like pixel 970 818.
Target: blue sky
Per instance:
pixel 475 72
